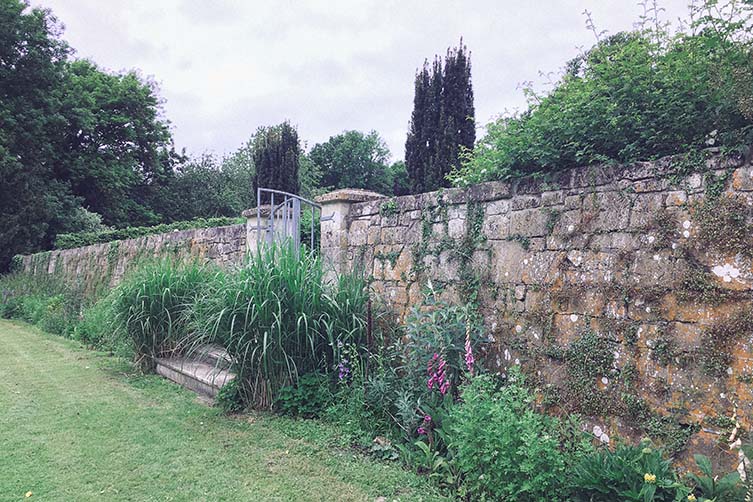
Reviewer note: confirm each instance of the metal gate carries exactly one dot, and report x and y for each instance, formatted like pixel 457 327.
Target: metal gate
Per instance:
pixel 283 221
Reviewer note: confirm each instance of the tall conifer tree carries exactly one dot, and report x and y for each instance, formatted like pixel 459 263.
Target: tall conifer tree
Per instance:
pixel 442 122
pixel 276 152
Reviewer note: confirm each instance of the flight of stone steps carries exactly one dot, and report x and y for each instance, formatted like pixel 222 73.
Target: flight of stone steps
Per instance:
pixel 204 370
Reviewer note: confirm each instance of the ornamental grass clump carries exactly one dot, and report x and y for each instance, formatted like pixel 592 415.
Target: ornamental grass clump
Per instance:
pixel 153 306
pixel 279 319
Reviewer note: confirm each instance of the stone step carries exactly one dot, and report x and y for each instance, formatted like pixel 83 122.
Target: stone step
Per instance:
pixel 212 354
pixel 198 376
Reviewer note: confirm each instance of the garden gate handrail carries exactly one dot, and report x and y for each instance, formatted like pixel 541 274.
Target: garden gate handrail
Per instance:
pixel 287 213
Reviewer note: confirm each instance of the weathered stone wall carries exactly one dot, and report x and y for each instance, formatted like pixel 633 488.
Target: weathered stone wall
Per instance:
pixel 624 291
pixel 103 265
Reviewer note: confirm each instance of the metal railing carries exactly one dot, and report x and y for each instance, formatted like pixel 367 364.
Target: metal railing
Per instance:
pixel 284 220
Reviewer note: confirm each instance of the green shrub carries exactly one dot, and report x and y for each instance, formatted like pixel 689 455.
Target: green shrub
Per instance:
pixel 503 449
pixel 432 329
pixel 43 300
pixel 153 305
pixel 728 488
pixel 630 473
pixel 308 398
pixel 637 95
pixel 67 241
pixel 229 398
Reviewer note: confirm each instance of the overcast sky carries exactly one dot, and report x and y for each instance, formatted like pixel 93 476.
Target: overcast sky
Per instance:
pixel 226 67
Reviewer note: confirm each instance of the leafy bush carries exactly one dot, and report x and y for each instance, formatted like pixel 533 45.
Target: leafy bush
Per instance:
pixel 709 487
pixel 44 301
pixel 630 473
pixel 436 332
pixel 67 241
pixel 229 398
pixel 637 95
pixel 308 398
pixel 279 320
pixel 153 305
pixel 502 447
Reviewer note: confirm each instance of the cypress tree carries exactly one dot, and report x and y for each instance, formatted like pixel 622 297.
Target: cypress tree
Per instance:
pixel 416 149
pixel 442 122
pixel 276 153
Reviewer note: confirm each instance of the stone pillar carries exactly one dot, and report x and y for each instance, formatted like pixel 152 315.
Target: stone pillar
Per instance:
pixel 251 227
pixel 334 226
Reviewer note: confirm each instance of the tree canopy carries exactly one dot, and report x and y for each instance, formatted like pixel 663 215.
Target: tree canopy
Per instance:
pixel 276 152
pixel 442 123
pixel 635 95
pixel 353 159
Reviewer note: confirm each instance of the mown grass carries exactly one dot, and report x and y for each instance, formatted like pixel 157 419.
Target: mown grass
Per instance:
pixel 79 425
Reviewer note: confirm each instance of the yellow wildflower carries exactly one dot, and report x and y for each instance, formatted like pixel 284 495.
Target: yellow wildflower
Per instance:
pixel 649 478
pixel 691 498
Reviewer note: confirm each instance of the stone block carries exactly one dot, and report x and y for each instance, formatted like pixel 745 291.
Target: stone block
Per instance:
pixel 459 211
pixel 496 226
pixel 651 185
pixel 507 262
pixel 529 223
pixel 541 268
pixel 525 202
pixel 489 191
pixel 616 241
pixel 456 228
pixel 554 198
pixel 392 235
pixel 498 207
pixel 677 198
pixel 573 202
pixel 593 176
pixel 645 207
pixel 358 233
pixel 638 171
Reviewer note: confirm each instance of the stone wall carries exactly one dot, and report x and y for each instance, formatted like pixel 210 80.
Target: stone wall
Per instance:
pixel 624 292
pixel 103 265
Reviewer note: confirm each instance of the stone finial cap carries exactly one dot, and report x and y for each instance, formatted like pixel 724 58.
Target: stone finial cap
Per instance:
pixel 349 195
pixel 251 213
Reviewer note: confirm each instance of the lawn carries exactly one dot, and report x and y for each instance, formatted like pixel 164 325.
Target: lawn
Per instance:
pixel 80 425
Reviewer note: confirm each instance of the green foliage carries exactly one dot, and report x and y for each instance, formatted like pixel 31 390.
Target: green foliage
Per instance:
pixel 435 327
pixel 712 488
pixel 634 95
pixel 229 397
pixel 718 342
pixel 97 328
pixel 442 123
pixel 67 241
pixel 724 225
pixel 207 188
pixel 279 320
pixel 502 447
pixel 630 473
pixel 76 141
pixel 276 152
pixel 308 398
pixel 353 159
pixel 153 305
pixel 41 300
pixel 588 358
pixel 389 208
pixel 117 147
pixel 400 180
